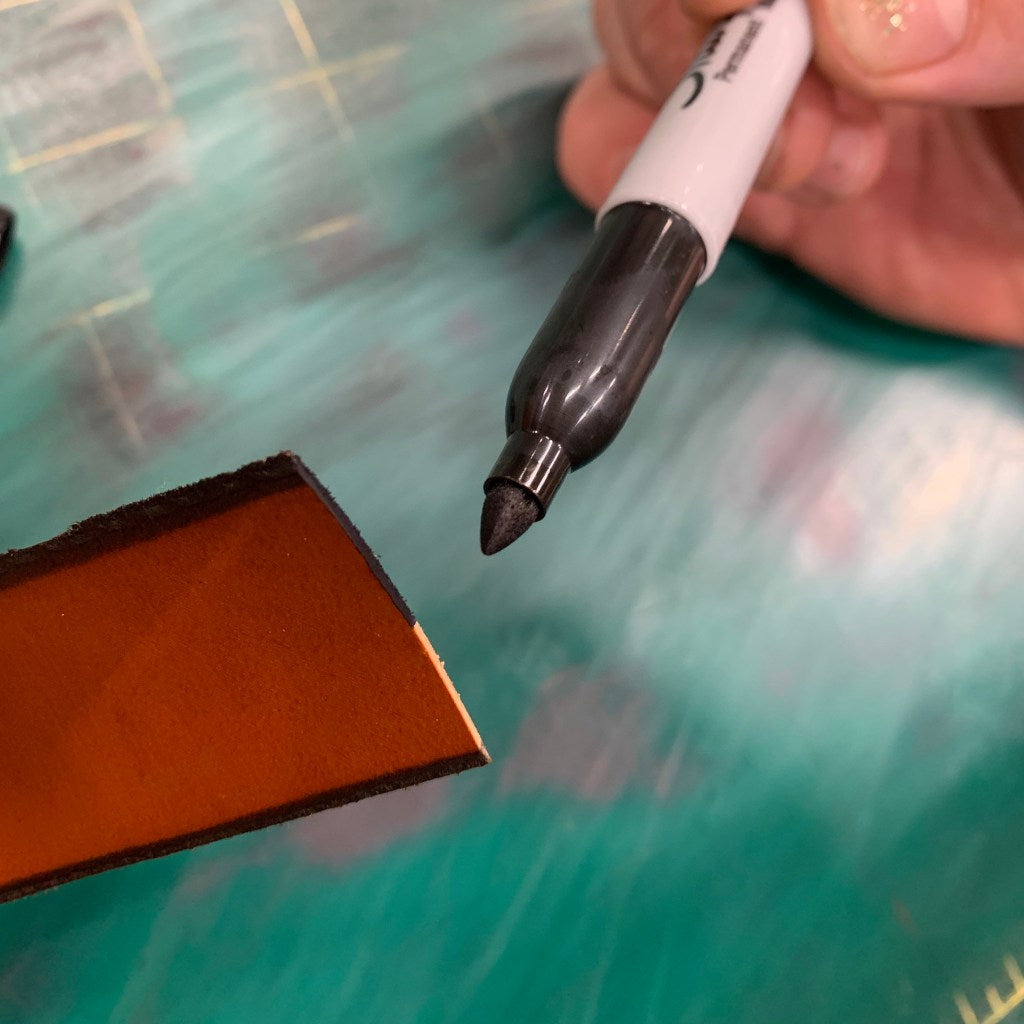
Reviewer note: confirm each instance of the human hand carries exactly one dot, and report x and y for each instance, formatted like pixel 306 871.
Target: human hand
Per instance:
pixel 898 173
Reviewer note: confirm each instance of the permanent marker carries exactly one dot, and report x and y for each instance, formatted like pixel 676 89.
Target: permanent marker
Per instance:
pixel 660 233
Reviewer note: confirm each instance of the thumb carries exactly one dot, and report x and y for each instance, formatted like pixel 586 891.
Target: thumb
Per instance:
pixel 967 52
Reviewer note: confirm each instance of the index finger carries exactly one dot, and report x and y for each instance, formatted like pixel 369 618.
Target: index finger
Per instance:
pixel 648 44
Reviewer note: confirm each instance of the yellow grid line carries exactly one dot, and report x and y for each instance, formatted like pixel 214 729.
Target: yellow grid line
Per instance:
pixel 327 228
pixel 11 155
pixel 967 1014
pixel 312 55
pixel 76 147
pixel 1013 972
pixel 113 389
pixel 17 164
pixel 1001 1008
pixel 138 35
pixel 369 58
pixel 320 74
pixel 108 307
pixel 298 27
pixel 7 5
pixel 118 305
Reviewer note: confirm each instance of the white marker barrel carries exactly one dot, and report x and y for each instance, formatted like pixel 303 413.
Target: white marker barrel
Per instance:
pixel 703 152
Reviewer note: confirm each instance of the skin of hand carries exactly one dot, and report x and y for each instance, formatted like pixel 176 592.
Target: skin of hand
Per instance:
pixel 898 173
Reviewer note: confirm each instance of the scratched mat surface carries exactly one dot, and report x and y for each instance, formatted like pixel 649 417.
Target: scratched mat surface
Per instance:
pixel 753 690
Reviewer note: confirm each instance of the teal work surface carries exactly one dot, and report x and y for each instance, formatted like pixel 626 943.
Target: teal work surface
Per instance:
pixel 753 689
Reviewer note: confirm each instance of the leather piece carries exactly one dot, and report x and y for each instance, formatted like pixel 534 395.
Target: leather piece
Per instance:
pixel 212 660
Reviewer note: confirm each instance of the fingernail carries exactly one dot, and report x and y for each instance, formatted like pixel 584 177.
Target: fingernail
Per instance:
pixel 846 168
pixel 888 36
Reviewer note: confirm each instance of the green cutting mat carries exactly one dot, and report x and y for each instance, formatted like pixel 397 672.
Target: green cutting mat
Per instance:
pixel 753 690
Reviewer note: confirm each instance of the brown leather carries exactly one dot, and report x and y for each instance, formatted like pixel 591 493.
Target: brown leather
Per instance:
pixel 216 659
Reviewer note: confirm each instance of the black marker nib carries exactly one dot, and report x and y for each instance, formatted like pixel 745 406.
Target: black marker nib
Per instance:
pixel 509 511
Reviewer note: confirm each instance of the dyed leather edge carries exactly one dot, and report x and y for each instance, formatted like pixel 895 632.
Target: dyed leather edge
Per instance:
pixel 180 507
pixel 261 819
